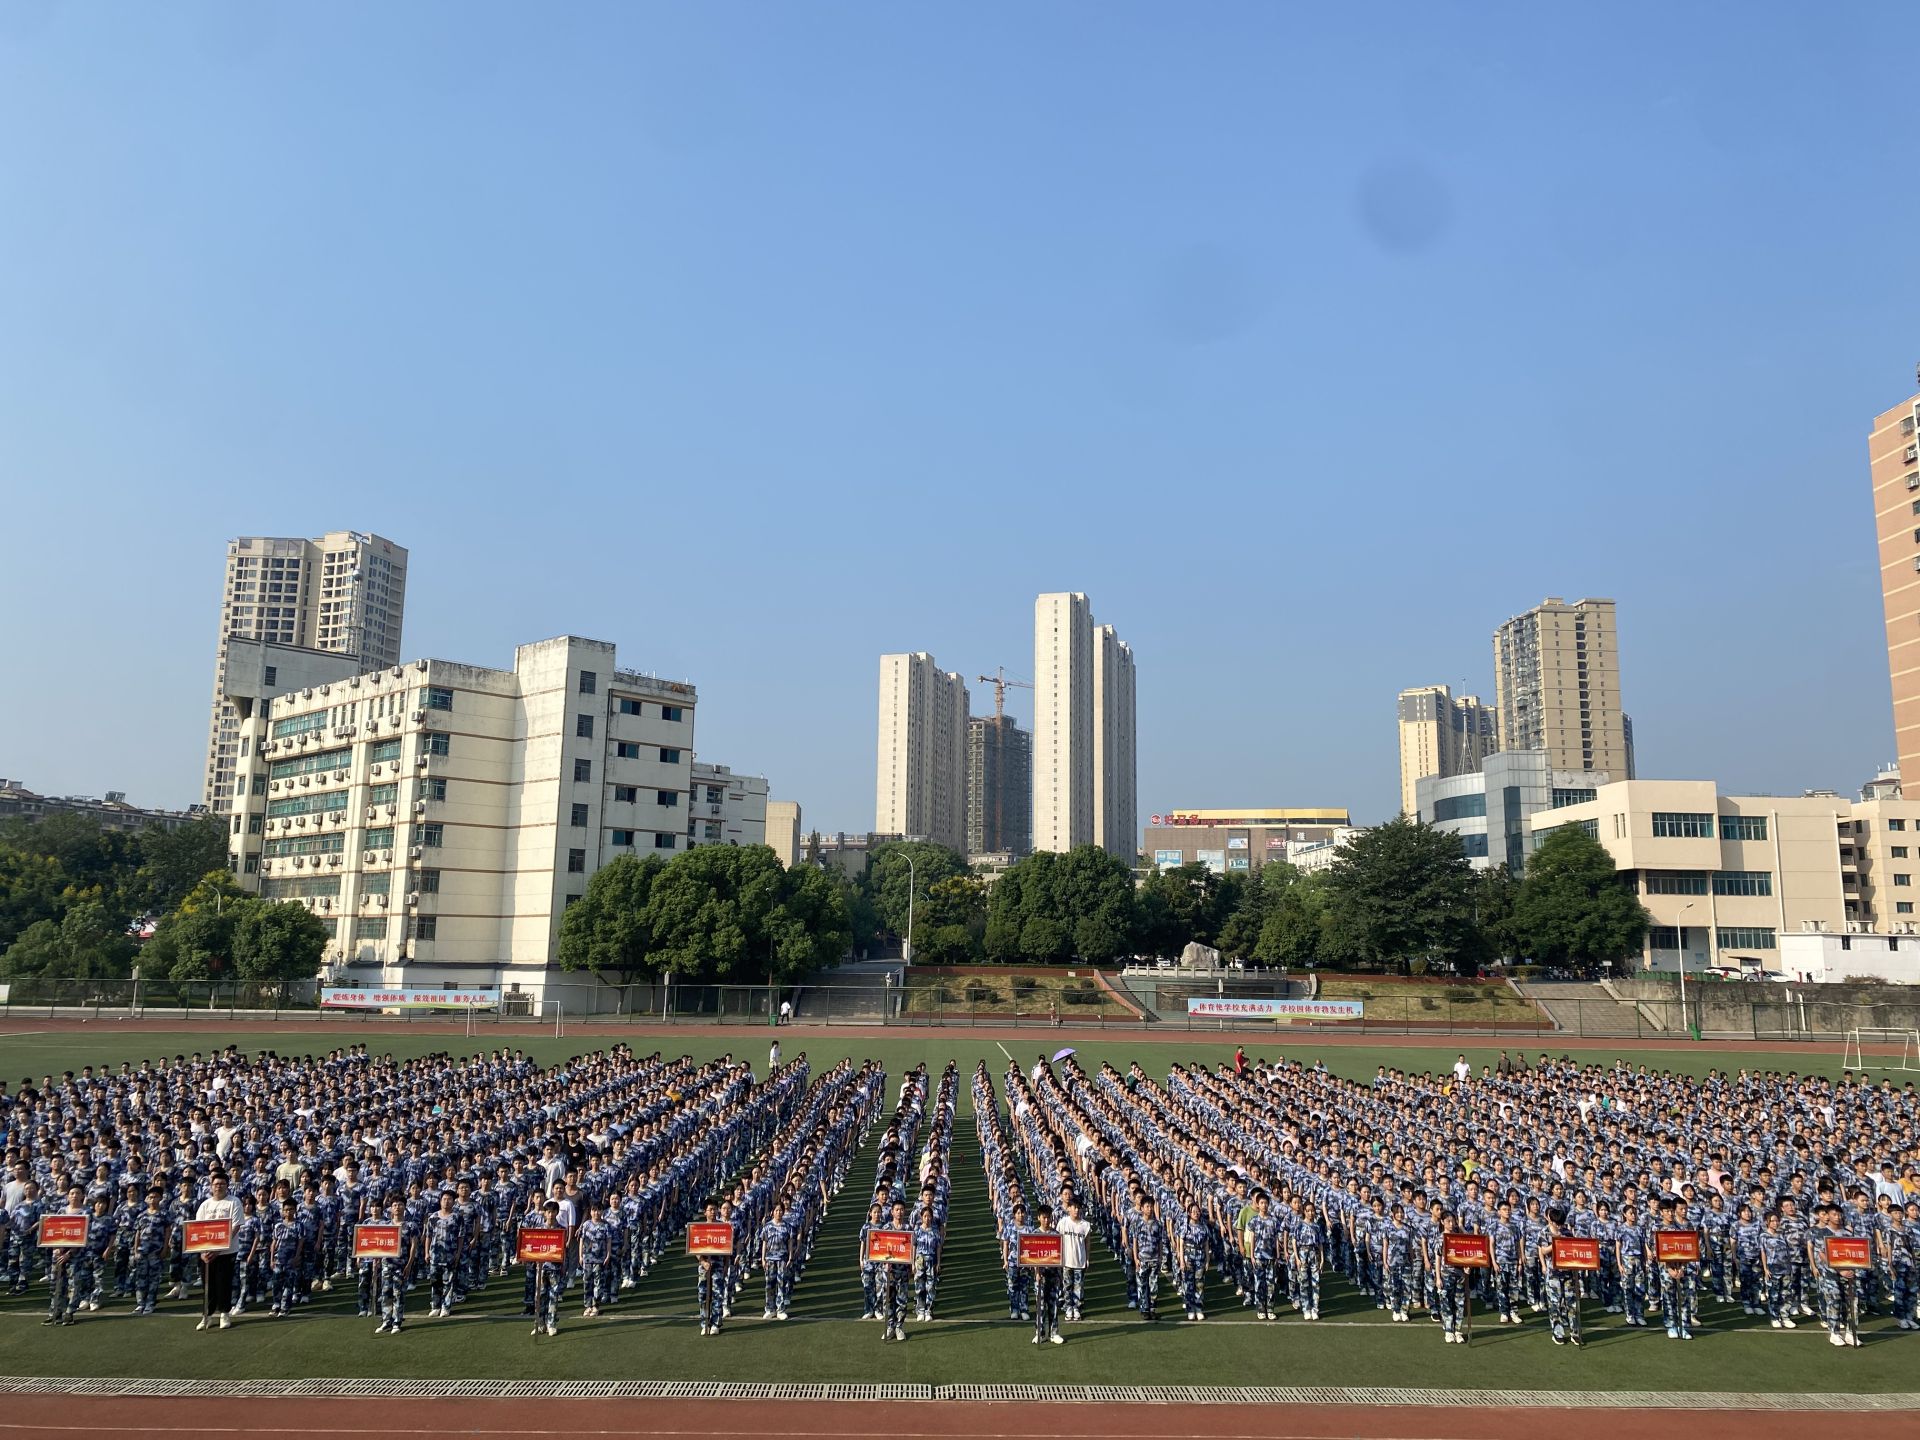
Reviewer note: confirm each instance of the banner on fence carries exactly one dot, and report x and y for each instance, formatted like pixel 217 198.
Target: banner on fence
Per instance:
pixel 885 1247
pixel 206 1237
pixel 407 997
pixel 1220 1007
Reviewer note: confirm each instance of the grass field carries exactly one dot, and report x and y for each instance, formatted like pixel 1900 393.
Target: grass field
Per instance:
pixel 652 1334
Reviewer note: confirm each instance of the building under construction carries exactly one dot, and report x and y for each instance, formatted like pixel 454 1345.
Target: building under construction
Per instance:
pixel 999 786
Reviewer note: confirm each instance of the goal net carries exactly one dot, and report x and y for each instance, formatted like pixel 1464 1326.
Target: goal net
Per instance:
pixel 1872 1047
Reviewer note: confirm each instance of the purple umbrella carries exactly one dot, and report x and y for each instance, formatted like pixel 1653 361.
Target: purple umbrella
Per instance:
pixel 1062 1054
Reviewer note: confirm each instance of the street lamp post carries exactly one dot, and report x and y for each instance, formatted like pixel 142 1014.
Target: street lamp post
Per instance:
pixel 1680 941
pixel 906 950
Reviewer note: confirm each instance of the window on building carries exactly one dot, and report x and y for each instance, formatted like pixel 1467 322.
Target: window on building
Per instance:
pixel 1676 882
pixel 383 794
pixel 626 750
pixel 1901 878
pixel 579 821
pixel 631 707
pixel 582 772
pixel 672 712
pixel 669 756
pixel 439 743
pixel 384 751
pixel 436 788
pixel 434 835
pixel 589 682
pixel 1896 824
pixel 425 927
pixel 255 823
pixel 377 884
pixel 1573 796
pixel 623 837
pixel 583 726
pixel 569 901
pixel 1898 852
pixel 273 671
pixel 626 794
pixel 1682 825
pixel 429 882
pixel 1743 827
pixel 439 697
pixel 1903 907
pixel 666 797
pixel 1743 882
pixel 253 864
pixel 1454 807
pixel 1746 937
pixel 259 784
pixel 370 927
pixel 715 794
pixel 576 862
pixel 1662 937
pixel 380 839
pixel 663 841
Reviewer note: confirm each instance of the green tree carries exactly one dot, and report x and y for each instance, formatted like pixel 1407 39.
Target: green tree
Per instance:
pixel 276 941
pixel 1293 932
pixel 1400 893
pixel 808 925
pixel 731 914
pixel 1495 893
pixel 32 888
pixel 1253 901
pixel 607 930
pixel 172 862
pixel 887 880
pixel 1573 907
pixel 86 943
pixel 1171 907
pixel 950 922
pixel 1058 908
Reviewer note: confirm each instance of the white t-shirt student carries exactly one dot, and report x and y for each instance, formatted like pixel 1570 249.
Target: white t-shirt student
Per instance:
pixel 1073 1243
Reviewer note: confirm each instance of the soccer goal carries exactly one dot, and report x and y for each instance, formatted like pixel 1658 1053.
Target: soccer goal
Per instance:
pixel 1854 1056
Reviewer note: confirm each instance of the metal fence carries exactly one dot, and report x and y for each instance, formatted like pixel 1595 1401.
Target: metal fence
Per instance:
pixel 1720 1012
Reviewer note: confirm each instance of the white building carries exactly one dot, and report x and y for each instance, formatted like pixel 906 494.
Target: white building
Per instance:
pixel 440 817
pixel 1315 856
pixel 1084 770
pixel 1822 957
pixel 783 830
pixel 343 593
pixel 920 771
pixel 725 808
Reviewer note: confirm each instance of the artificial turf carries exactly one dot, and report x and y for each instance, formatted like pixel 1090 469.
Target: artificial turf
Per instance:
pixel 652 1334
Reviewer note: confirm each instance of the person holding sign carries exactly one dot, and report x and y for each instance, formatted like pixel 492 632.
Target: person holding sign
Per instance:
pixel 896 1278
pixel 63 1235
pixel 1679 1265
pixel 1044 1259
pixel 1837 1269
pixel 711 1280
pixel 1454 1280
pixel 215 1248
pixel 390 1270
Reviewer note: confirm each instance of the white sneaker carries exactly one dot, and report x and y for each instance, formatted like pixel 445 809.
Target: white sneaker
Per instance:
pixel 779 1314
pixel 1836 1340
pixel 552 1329
pixel 1057 1338
pixel 225 1323
pixel 202 1323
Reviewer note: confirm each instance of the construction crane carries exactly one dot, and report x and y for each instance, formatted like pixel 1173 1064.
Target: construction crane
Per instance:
pixel 1000 683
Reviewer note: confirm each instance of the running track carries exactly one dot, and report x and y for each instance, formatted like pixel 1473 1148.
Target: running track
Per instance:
pixel 27 1416
pixel 1304 1038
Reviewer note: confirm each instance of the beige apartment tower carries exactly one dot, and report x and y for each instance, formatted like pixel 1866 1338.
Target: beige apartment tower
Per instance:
pixel 920 771
pixel 1894 454
pixel 1557 686
pixel 1442 736
pixel 1084 765
pixel 342 593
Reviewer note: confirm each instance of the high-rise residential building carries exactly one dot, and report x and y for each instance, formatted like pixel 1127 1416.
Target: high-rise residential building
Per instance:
pixel 999 786
pixel 1441 736
pixel 1084 768
pixel 343 593
pixel 783 830
pixel 439 818
pixel 725 808
pixel 1893 452
pixel 1557 686
pixel 1062 721
pixel 920 774
pixel 1116 818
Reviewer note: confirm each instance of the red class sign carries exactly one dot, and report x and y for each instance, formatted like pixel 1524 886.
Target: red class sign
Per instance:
pixel 376 1242
pixel 1042 1251
pixel 889 1247
pixel 710 1237
pixel 542 1245
pixel 1848 1252
pixel 1676 1247
pixel 62 1232
pixel 1467 1252
pixel 207 1237
pixel 1575 1252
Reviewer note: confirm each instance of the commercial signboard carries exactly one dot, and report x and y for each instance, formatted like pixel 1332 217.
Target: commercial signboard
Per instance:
pixel 1214 860
pixel 1238 862
pixel 407 997
pixel 1167 859
pixel 1221 1007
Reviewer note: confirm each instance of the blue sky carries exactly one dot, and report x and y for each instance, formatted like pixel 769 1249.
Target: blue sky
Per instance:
pixel 1312 342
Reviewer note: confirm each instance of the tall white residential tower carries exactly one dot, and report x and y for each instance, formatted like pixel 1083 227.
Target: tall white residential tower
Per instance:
pixel 1083 730
pixel 920 770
